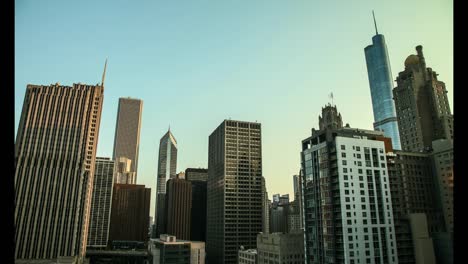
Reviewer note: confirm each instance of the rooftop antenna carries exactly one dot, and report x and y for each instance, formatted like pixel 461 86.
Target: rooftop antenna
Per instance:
pixel 331 97
pixel 104 73
pixel 375 23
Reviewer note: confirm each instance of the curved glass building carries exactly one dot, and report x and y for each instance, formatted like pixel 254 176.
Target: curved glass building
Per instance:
pixel 381 85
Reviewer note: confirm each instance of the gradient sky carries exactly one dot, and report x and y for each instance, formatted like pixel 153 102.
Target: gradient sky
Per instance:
pixel 196 63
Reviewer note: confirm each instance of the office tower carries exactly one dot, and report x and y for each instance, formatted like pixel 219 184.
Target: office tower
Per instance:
pixel 347 207
pixel 381 85
pixel 280 248
pixel 198 211
pixel 284 199
pixel 130 212
pixel 294 217
pixel 247 256
pixel 98 233
pixel 55 152
pixel 298 196
pixel 123 172
pixel 422 105
pixel 234 212
pixel 265 209
pixel 178 208
pixel 296 186
pixel 279 218
pixel 167 165
pixel 442 159
pixel 169 249
pixel 276 198
pixel 193 174
pixel 127 132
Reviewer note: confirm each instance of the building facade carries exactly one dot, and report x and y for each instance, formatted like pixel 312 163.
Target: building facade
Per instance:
pixel 55 153
pixel 422 105
pixel 442 159
pixel 130 213
pixel 347 203
pixel 123 171
pixel 178 208
pixel 127 131
pixel 168 249
pixel 194 174
pixel 234 212
pixel 381 85
pixel 167 165
pixel 248 256
pixel 198 211
pixel 100 214
pixel 265 209
pixel 281 248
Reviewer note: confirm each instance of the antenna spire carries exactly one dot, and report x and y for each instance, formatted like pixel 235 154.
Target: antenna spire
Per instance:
pixel 104 73
pixel 375 23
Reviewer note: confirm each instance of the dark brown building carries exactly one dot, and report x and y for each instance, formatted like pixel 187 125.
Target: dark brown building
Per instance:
pixel 178 208
pixel 130 212
pixel 422 106
pixel 192 174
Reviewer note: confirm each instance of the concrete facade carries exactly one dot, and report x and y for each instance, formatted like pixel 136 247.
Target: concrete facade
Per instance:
pixel 281 248
pixel 55 157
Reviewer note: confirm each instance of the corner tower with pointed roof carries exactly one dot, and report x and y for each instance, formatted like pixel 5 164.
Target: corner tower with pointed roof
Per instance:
pixel 422 105
pixel 167 167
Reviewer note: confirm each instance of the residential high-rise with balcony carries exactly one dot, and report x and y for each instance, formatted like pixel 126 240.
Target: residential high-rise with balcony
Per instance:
pixel 348 213
pixel 55 153
pixel 234 206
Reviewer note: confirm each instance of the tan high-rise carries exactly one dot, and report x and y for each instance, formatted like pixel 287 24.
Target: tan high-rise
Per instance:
pixel 55 152
pixel 127 131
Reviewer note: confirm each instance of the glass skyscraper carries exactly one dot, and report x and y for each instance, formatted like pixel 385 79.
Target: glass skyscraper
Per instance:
pixel 381 85
pixel 167 165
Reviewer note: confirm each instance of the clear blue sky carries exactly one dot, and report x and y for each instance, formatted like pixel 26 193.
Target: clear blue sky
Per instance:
pixel 196 63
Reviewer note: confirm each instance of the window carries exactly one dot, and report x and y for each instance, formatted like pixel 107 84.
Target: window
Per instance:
pixel 343 155
pixel 344 162
pixel 343 147
pixel 358 148
pixel 345 170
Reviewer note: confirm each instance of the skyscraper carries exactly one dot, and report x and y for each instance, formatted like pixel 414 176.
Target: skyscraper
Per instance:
pixel 55 154
pixel 347 207
pixel 234 213
pixel 422 105
pixel 381 85
pixel 98 233
pixel 130 213
pixel 178 208
pixel 167 165
pixel 127 131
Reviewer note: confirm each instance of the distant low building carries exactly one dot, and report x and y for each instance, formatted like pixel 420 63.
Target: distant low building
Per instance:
pixel 248 256
pixel 280 248
pixel 168 249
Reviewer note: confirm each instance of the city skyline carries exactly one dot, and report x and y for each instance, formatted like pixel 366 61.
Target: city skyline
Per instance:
pixel 284 61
